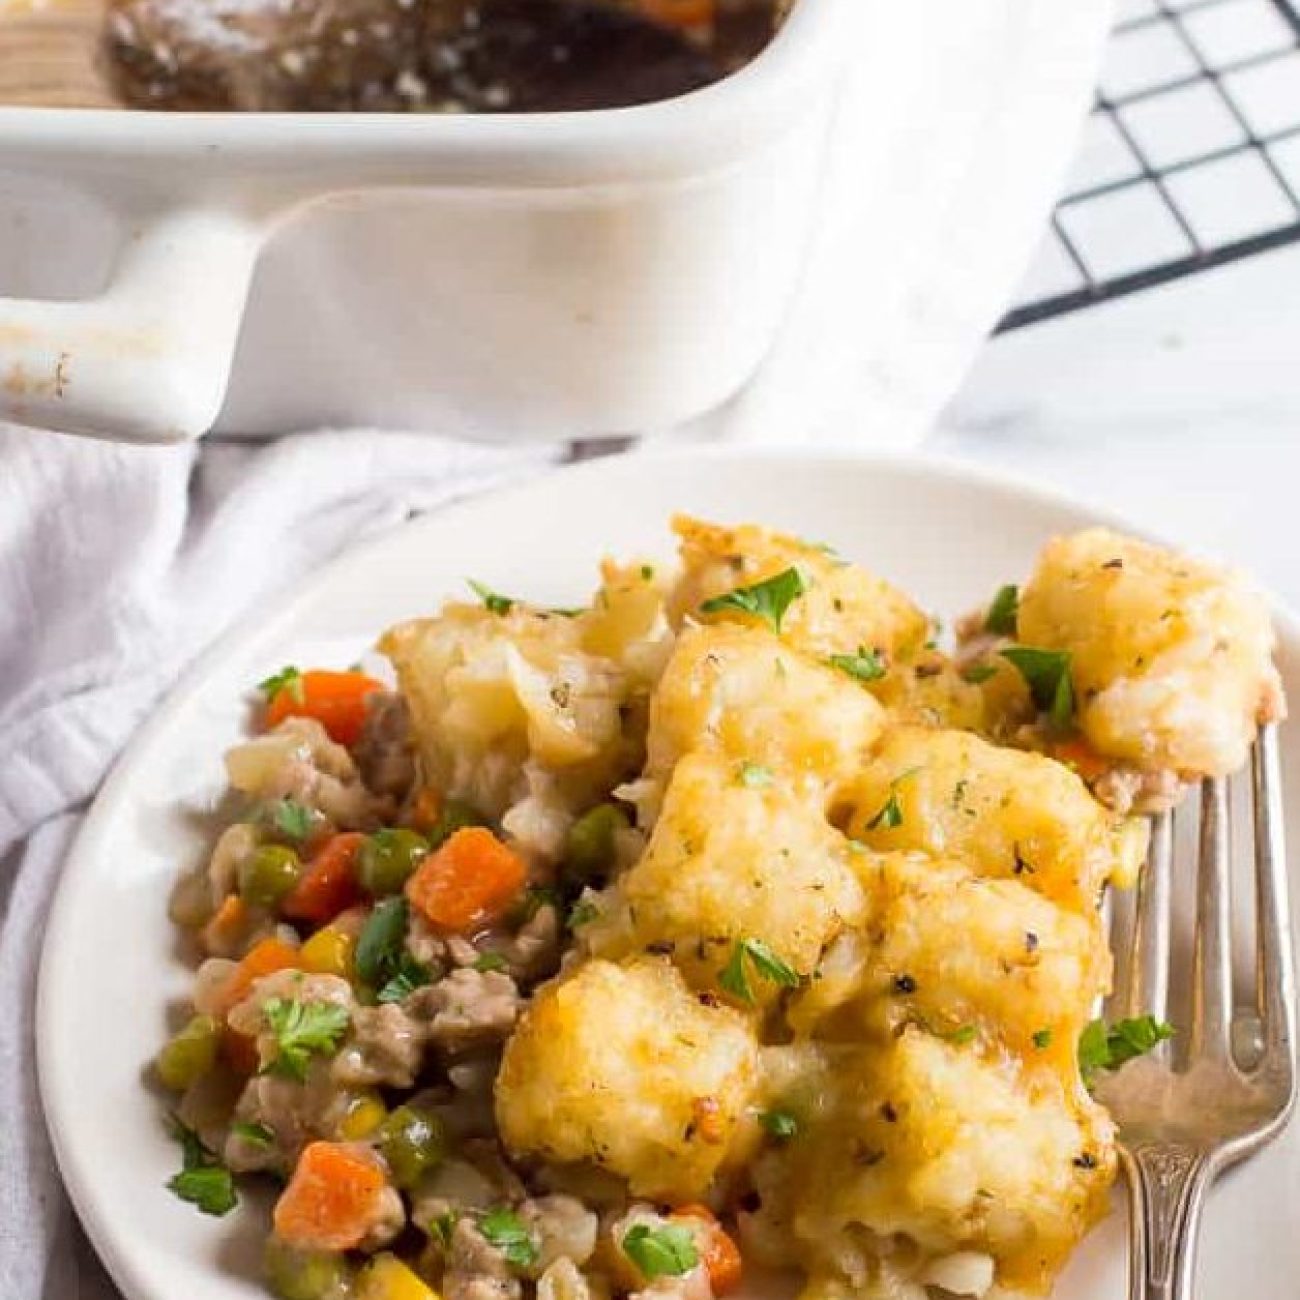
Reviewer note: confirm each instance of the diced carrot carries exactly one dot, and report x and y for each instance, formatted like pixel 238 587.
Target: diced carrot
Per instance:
pixel 720 1254
pixel 264 958
pixel 333 1198
pixel 327 885
pixel 680 13
pixel 426 808
pixel 336 700
pixel 1079 755
pixel 223 933
pixel 472 879
pixel 239 1051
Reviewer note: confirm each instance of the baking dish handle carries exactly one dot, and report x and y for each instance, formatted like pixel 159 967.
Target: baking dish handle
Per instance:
pixel 148 360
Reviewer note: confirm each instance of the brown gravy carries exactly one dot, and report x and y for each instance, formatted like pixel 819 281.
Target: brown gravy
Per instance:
pixel 479 56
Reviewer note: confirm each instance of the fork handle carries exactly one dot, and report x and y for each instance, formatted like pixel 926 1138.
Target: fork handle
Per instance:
pixel 1167 1185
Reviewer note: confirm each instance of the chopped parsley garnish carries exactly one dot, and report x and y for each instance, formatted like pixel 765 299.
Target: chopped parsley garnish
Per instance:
pixel 210 1187
pixel 866 665
pixel 382 960
pixel 962 1035
pixel 493 601
pixel 1107 1047
pixel 292 819
pixel 507 1232
pixel 409 976
pixel 753 775
pixel 487 961
pixel 667 1251
pixel 257 1135
pixel 287 679
pixel 978 674
pixel 890 814
pixel 779 1123
pixel 203 1180
pixel 767 600
pixel 754 952
pixel 1047 674
pixel 534 899
pixel 647 572
pixel 1042 1038
pixel 382 937
pixel 302 1030
pixel 583 912
pixel 442 1226
pixel 1003 612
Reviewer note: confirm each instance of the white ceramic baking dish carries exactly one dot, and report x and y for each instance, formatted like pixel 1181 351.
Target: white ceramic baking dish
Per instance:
pixel 571 274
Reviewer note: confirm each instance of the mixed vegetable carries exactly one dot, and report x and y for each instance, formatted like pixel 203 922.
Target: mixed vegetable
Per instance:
pixel 369 945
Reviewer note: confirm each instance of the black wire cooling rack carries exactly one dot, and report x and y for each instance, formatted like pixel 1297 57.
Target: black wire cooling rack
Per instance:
pixel 1191 157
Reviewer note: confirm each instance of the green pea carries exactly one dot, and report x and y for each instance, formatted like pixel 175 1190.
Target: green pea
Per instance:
pixel 189 1055
pixel 412 1143
pixel 268 874
pixel 455 816
pixel 589 854
pixel 387 858
pixel 304 1274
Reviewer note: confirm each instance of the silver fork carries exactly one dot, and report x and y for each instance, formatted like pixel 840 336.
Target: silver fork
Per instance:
pixel 1180 1128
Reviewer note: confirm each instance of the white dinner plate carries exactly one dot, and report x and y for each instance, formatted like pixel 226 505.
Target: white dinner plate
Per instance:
pixel 110 966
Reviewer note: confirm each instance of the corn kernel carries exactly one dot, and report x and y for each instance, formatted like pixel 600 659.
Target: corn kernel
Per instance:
pixel 387 1278
pixel 365 1115
pixel 328 952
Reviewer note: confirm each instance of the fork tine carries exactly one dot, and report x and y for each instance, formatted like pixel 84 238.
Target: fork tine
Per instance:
pixel 1142 983
pixel 1275 987
pixel 1212 956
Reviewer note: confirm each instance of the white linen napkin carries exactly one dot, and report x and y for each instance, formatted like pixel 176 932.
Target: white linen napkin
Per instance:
pixel 117 565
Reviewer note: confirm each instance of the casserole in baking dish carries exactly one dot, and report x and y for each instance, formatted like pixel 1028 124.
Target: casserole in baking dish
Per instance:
pixel 507 274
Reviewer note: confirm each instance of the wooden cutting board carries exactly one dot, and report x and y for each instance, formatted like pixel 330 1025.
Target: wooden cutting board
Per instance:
pixel 47 53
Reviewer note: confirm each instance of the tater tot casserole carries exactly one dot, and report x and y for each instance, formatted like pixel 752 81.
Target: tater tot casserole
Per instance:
pixel 734 920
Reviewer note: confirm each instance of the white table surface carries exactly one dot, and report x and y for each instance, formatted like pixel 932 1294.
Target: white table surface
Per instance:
pixel 1178 406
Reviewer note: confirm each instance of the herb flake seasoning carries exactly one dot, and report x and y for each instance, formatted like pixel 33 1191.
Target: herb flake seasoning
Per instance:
pixel 779 1124
pixel 766 964
pixel 288 679
pixel 889 815
pixel 667 1251
pixel 302 1030
pixel 1047 674
pixel 1003 611
pixel 493 601
pixel 506 1231
pixel 865 666
pixel 768 600
pixel 203 1180
pixel 1107 1047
